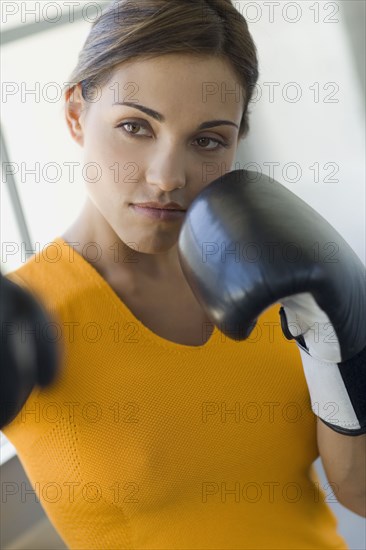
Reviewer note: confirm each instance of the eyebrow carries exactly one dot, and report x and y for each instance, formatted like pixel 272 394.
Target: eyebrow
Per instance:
pixel 159 117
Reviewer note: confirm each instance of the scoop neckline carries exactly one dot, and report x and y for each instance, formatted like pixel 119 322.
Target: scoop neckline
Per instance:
pixel 147 332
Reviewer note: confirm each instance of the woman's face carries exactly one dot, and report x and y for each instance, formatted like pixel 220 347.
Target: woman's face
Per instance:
pixel 137 156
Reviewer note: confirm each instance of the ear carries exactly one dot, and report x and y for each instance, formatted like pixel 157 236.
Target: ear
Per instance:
pixel 75 107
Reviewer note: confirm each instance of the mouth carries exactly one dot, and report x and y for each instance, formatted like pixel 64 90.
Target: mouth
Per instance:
pixel 163 214
pixel 161 206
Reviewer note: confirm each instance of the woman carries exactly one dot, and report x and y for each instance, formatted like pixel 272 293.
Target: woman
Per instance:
pixel 160 432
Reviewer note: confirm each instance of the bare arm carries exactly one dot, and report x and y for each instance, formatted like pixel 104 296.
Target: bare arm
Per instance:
pixel 344 460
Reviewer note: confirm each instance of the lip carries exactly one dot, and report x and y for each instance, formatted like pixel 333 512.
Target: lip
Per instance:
pixel 161 206
pixel 161 214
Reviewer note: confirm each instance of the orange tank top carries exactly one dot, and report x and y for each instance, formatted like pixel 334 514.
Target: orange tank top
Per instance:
pixel 143 443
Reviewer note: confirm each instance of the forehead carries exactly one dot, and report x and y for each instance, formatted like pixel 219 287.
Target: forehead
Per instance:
pixel 173 82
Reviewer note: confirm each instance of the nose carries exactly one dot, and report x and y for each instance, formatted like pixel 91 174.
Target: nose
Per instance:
pixel 167 168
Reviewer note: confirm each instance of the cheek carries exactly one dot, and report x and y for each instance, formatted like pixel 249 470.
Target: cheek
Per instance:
pixel 118 160
pixel 214 169
pixel 100 147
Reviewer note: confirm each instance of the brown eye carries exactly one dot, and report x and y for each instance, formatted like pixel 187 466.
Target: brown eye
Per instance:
pixel 132 125
pixel 219 144
pixel 136 126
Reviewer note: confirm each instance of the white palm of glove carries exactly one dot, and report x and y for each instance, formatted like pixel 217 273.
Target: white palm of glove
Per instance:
pixel 305 317
pixel 329 397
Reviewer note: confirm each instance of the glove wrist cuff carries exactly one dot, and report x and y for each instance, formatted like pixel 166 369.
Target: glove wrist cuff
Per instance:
pixel 338 391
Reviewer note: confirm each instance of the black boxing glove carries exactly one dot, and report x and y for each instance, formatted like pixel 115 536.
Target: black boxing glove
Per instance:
pixel 323 298
pixel 27 358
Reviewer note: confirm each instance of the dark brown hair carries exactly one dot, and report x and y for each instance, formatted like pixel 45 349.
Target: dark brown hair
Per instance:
pixel 127 30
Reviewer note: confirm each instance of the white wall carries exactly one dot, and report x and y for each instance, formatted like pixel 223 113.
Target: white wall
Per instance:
pixel 313 129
